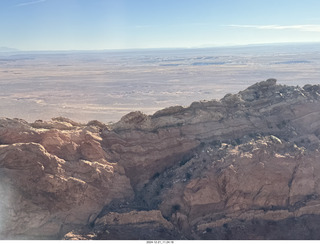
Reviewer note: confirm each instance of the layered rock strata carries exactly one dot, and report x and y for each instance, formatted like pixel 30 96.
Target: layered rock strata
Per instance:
pixel 54 179
pixel 244 167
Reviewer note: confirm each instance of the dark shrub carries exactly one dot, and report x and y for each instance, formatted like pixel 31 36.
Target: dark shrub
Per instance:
pixel 175 208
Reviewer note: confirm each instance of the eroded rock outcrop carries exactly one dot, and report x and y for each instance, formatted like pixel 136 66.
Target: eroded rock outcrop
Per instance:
pixel 55 181
pixel 157 142
pixel 244 167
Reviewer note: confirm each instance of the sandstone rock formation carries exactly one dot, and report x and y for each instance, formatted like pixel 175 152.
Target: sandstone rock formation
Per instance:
pixel 54 179
pixel 244 167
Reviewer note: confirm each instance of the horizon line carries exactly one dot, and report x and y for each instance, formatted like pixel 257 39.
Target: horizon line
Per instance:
pixel 15 50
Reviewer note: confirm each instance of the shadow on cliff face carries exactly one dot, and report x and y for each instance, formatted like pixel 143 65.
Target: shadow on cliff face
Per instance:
pixel 3 193
pixel 301 228
pixel 5 202
pixel 250 171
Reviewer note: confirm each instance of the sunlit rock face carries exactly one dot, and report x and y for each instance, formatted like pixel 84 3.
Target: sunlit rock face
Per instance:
pixel 243 167
pixel 59 179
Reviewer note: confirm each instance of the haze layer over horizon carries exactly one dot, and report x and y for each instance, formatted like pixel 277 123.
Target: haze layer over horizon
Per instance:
pixel 127 24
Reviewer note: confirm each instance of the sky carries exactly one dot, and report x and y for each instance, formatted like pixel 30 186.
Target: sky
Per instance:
pixel 130 24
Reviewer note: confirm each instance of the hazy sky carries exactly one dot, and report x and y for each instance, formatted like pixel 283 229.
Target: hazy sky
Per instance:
pixel 126 24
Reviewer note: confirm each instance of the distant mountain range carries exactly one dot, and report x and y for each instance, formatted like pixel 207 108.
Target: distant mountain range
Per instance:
pixel 242 47
pixel 7 49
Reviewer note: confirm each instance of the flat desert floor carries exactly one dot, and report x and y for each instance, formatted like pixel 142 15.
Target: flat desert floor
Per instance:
pixel 105 85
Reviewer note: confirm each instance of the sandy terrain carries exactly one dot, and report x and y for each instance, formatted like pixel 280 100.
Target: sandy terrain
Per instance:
pixel 106 85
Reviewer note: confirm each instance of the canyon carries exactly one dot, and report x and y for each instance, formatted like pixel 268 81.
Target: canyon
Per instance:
pixel 242 167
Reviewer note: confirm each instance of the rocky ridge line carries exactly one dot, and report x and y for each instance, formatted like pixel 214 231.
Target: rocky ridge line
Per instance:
pixel 225 169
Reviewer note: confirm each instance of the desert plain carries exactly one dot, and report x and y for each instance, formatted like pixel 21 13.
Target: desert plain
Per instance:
pixel 105 85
